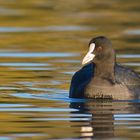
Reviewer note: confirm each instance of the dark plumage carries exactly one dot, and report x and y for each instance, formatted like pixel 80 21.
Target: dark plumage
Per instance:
pixel 102 77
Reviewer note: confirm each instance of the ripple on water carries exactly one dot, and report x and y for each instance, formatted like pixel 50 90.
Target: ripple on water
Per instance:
pixel 66 61
pixel 49 109
pixel 133 32
pixel 128 56
pixel 62 119
pixel 45 29
pixel 28 135
pixel 6 138
pixel 49 96
pixel 38 54
pixel 13 105
pixel 8 88
pixel 35 68
pixel 24 64
pixel 29 66
pixel 131 64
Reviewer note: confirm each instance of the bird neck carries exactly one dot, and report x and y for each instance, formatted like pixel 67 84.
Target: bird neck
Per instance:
pixel 105 71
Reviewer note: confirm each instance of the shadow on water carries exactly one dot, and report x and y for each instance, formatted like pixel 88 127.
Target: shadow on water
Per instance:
pixel 108 118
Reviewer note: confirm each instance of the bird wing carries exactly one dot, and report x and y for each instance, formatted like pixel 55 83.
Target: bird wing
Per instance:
pixel 79 81
pixel 126 76
pixel 129 78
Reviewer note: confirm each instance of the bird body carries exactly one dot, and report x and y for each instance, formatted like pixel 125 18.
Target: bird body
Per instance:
pixel 102 77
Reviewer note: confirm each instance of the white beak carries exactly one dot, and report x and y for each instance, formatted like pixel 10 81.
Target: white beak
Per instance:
pixel 89 56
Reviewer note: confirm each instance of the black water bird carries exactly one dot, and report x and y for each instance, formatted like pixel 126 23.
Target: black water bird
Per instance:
pixel 101 77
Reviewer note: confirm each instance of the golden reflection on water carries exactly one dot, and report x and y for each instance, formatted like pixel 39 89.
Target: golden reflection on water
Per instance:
pixel 42 43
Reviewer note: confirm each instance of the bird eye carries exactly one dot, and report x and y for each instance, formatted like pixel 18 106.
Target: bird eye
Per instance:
pixel 99 49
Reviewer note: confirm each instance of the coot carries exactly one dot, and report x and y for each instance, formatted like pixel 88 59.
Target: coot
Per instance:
pixel 101 77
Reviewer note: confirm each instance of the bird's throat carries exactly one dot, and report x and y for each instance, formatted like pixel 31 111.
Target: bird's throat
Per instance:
pixel 105 72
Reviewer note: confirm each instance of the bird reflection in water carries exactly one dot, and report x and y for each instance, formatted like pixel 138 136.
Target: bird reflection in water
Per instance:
pixel 101 121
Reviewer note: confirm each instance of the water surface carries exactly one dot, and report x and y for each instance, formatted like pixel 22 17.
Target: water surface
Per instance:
pixel 42 44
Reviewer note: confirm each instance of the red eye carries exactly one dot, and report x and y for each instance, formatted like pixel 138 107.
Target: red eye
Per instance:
pixel 99 49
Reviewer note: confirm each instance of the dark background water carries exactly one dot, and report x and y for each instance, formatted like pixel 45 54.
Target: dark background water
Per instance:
pixel 42 43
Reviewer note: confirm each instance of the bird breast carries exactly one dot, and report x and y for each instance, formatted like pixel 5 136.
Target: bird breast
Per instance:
pixel 105 91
